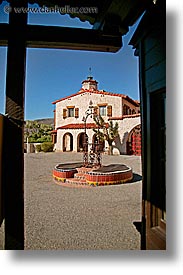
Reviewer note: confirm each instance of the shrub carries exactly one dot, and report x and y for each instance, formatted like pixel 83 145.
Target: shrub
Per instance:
pixel 38 148
pixel 32 140
pixel 44 139
pixel 49 138
pixel 47 147
pixel 41 140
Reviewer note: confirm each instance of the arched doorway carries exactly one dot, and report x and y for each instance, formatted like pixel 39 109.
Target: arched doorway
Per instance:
pixel 101 143
pixel 67 142
pixel 81 141
pixel 134 141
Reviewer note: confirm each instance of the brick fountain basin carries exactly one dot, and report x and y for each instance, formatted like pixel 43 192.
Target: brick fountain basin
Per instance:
pixel 76 174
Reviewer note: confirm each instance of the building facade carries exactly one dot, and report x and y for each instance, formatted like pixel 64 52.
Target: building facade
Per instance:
pixel 69 132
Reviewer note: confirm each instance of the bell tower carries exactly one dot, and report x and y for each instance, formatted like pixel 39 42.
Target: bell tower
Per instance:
pixel 89 83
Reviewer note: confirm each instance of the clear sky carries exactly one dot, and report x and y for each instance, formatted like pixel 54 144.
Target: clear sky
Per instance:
pixel 53 74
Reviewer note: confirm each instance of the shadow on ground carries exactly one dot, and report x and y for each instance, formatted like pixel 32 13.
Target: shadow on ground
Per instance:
pixel 136 177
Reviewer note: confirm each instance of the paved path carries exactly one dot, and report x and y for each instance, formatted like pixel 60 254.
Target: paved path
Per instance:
pixel 58 217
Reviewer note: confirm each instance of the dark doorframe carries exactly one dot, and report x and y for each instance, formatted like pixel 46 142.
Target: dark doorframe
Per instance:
pixel 14 125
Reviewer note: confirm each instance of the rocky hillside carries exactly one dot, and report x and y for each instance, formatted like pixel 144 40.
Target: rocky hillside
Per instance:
pixel 47 121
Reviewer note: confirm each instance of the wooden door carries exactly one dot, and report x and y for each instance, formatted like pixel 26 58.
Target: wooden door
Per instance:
pixel 134 141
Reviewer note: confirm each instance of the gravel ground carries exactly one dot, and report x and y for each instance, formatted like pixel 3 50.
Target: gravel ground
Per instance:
pixel 58 217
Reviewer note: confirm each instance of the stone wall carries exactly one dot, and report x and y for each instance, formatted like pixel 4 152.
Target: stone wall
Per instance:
pixel 31 148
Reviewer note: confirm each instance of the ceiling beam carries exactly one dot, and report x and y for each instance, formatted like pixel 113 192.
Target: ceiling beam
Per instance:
pixel 65 38
pixel 100 19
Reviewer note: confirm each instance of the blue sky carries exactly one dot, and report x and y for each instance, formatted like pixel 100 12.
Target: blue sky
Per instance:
pixel 53 74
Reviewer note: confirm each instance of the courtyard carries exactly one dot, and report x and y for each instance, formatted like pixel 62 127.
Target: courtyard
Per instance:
pixel 59 217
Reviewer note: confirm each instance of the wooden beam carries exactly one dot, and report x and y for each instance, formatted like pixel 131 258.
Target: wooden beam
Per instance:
pixel 65 38
pixel 100 19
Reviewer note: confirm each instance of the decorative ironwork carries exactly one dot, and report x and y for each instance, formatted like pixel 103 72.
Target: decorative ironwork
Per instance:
pixel 91 152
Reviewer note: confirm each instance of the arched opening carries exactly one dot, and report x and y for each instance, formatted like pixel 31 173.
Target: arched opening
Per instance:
pixel 81 142
pixel 95 142
pixel 133 145
pixel 67 142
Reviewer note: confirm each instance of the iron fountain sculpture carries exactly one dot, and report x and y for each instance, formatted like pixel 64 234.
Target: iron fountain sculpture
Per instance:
pixel 91 172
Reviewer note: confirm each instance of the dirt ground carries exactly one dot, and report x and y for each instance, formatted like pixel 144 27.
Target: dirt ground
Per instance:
pixel 58 217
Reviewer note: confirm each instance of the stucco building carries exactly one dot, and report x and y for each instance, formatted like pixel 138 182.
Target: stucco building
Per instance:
pixel 69 131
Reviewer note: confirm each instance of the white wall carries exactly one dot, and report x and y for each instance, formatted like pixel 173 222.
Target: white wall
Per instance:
pixel 125 126
pixel 81 101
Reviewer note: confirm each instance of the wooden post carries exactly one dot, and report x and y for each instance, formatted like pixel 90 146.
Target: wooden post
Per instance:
pixel 14 159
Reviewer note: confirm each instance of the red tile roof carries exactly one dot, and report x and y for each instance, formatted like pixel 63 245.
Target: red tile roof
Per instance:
pixel 137 101
pixel 89 80
pixel 101 92
pixel 80 126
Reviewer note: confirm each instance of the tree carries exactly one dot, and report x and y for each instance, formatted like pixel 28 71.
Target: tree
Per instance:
pixel 36 132
pixel 106 131
pixel 31 130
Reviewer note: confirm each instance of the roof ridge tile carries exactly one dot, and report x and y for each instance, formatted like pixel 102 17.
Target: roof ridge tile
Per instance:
pixel 81 91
